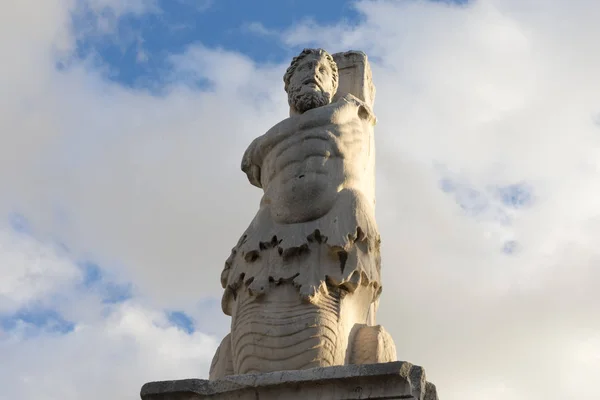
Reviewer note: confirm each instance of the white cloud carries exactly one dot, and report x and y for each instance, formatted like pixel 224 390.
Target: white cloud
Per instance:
pixel 496 93
pixel 259 29
pixel 30 271
pixel 105 358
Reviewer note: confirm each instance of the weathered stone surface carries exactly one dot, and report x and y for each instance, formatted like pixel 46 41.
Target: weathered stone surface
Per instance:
pixel 394 380
pixel 303 282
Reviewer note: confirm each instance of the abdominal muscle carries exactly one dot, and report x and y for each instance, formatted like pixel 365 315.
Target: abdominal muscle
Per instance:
pixel 304 178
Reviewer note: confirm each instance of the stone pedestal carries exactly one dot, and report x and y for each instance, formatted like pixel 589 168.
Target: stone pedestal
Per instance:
pixel 394 380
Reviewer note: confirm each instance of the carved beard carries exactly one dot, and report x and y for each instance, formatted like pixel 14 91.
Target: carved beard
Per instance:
pixel 303 101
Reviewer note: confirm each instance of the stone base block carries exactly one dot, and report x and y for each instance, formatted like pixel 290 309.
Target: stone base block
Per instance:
pixel 394 380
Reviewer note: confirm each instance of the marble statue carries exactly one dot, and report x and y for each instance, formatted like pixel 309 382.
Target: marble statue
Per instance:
pixel 303 282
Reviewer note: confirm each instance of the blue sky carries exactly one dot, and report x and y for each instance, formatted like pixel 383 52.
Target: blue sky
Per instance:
pixel 138 54
pixel 122 194
pixel 225 24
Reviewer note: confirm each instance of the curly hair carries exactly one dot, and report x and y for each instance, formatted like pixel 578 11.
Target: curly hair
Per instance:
pixel 296 60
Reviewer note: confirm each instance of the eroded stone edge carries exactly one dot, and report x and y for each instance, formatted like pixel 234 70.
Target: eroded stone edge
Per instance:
pixel 236 382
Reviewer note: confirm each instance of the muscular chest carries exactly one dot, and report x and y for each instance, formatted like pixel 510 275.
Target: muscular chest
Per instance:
pixel 318 143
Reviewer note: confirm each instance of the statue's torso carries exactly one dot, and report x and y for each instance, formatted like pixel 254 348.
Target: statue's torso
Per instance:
pixel 319 153
pixel 306 271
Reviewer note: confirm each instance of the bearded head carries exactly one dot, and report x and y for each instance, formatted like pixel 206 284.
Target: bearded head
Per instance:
pixel 311 80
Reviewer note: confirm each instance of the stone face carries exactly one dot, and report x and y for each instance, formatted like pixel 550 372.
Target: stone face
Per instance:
pixel 395 380
pixel 303 282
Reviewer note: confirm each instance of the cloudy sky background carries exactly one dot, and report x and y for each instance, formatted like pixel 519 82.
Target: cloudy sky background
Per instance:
pixel 122 126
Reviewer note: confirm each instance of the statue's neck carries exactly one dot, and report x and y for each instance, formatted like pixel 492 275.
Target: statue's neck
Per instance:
pixel 294 112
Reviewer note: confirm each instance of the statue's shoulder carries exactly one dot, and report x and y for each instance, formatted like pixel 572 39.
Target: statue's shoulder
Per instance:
pixel 365 112
pixel 282 127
